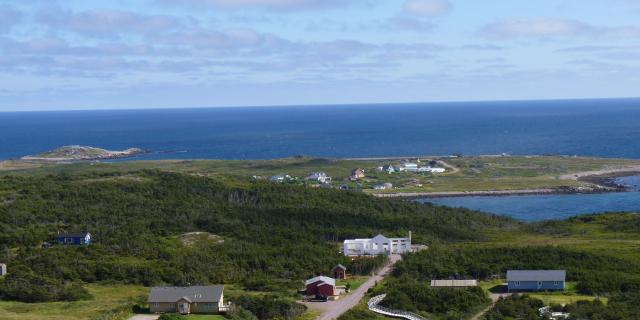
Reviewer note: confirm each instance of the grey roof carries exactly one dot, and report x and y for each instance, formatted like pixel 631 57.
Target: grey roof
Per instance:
pixel 536 275
pixel 339 266
pixel 454 283
pixel 194 294
pixel 324 279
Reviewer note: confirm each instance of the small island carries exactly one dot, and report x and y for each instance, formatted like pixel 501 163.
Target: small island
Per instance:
pixel 82 153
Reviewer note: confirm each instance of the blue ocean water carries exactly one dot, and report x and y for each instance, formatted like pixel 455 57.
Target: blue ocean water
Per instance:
pixel 605 128
pixel 548 207
pixel 601 128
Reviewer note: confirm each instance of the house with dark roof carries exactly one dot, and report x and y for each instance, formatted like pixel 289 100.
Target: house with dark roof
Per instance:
pixel 187 300
pixel 74 239
pixel 536 280
pixel 339 272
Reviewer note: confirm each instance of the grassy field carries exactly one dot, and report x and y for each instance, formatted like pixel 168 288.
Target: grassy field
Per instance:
pixel 106 298
pixel 355 282
pixel 570 295
pixel 596 234
pixel 470 173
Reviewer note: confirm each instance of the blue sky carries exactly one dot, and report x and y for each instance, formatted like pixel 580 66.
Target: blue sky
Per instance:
pixel 89 54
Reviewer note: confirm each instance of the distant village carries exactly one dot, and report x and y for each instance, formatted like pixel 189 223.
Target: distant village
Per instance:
pixel 359 176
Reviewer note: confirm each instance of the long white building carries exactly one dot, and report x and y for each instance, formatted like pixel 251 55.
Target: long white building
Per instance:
pixel 378 245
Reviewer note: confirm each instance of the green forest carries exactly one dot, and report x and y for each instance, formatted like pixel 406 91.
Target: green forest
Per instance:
pixel 265 237
pixel 272 236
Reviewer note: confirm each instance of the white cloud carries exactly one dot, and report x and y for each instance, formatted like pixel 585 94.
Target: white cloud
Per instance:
pixel 551 28
pixel 542 27
pixel 430 8
pixel 260 4
pixel 110 22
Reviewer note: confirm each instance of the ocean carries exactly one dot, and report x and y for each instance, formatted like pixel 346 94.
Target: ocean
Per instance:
pixel 554 206
pixel 601 128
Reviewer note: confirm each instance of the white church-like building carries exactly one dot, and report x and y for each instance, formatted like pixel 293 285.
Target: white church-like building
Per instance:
pixel 378 245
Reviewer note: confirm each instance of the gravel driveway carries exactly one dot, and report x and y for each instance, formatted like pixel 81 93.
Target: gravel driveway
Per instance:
pixel 334 309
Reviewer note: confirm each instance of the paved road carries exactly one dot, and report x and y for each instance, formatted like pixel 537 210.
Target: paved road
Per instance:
pixel 334 309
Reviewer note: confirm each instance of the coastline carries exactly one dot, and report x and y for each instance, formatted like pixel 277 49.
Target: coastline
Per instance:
pixel 497 193
pixel 603 181
pixel 104 155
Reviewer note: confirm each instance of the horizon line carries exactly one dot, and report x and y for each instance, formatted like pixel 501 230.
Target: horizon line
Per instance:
pixel 325 105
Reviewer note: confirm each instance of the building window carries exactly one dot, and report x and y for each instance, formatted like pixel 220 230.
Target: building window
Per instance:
pixel 517 283
pixel 68 240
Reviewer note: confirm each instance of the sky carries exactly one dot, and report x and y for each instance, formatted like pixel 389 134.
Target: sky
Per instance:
pixel 116 54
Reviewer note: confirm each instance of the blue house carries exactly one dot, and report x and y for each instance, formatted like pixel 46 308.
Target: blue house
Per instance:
pixel 536 280
pixel 75 239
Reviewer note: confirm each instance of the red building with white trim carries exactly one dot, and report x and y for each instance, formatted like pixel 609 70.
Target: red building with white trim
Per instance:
pixel 321 286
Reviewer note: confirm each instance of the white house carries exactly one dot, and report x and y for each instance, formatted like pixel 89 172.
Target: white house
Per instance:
pixel 388 169
pixel 383 186
pixel 319 176
pixel 409 166
pixel 379 245
pixel 276 179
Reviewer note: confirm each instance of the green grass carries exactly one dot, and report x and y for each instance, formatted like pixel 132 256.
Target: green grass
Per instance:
pixel 564 298
pixel 355 281
pixel 105 298
pixel 569 295
pixel 203 317
pixel 476 173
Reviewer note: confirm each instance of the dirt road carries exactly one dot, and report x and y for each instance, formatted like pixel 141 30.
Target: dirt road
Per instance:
pixel 494 298
pixel 333 309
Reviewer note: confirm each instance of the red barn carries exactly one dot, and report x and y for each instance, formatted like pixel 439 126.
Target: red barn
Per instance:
pixel 321 286
pixel 339 272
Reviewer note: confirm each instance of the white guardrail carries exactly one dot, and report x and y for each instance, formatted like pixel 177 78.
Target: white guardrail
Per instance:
pixel 373 306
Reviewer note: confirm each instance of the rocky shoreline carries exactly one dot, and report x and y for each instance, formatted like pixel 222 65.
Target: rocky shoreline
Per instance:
pixel 82 153
pixel 497 193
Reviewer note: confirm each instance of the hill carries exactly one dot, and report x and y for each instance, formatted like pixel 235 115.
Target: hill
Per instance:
pixel 274 235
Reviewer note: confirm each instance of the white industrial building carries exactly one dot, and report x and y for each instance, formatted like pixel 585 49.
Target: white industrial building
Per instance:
pixel 431 169
pixel 379 245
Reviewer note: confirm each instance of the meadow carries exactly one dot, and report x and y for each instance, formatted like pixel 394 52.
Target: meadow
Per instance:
pixel 463 174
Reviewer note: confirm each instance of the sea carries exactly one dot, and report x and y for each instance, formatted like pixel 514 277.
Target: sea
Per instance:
pixel 551 207
pixel 599 128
